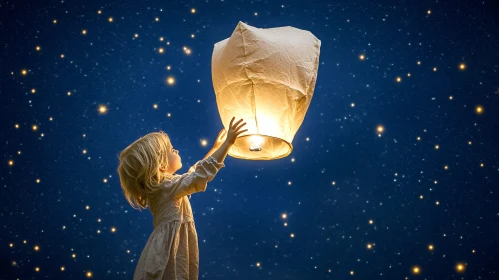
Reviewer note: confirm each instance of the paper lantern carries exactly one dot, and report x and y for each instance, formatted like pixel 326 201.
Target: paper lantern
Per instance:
pixel 267 78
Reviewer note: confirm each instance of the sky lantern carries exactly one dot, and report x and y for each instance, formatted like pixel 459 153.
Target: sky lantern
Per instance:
pixel 265 76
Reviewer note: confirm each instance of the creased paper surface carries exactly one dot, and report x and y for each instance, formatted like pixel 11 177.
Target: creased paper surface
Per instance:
pixel 267 78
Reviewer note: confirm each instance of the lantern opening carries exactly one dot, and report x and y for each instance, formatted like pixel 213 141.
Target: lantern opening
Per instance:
pixel 260 147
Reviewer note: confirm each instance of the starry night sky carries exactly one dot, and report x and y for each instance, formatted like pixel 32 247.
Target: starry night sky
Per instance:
pixel 393 175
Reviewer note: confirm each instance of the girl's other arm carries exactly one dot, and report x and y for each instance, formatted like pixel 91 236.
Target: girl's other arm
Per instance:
pixel 222 151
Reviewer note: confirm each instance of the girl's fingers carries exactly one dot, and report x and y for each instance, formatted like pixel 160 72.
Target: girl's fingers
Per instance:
pixel 237 128
pixel 231 121
pixel 240 132
pixel 238 122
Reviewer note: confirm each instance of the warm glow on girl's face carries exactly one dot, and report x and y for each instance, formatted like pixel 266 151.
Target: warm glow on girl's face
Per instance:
pixel 174 160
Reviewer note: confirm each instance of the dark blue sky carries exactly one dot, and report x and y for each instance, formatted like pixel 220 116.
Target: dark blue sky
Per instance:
pixel 358 204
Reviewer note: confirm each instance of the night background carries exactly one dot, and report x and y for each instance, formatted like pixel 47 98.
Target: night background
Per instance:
pixel 393 175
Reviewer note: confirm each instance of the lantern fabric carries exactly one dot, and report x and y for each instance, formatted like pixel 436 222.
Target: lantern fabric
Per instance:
pixel 267 78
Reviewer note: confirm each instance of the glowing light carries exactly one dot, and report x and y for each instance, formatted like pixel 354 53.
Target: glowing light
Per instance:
pixel 161 50
pixel 161 39
pixel 168 67
pixel 292 235
pixel 371 222
pixel 170 80
pixel 155 106
pixel 352 272
pixel 187 50
pixel 38 48
pixel 62 55
pixel 419 138
pixel 102 109
pixel 429 11
pixel 437 202
pixel 258 264
pixel 16 125
pixel 430 247
pixel 204 143
pixel 362 57
pixel 399 79
pixel 419 62
pixel 88 274
pixel 446 167
pixel 62 268
pixel 408 74
pixel 69 93
pixel 416 270
pixel 256 142
pixel 192 35
pixel 87 207
pixel 482 165
pixel 437 147
pixel 24 72
pixel 434 69
pixel 168 114
pixel 110 19
pixel 37 181
pixel 84 32
pixel 36 248
pixel 380 129
pixel 460 267
pixel 333 183
pixel 352 105
pixel 479 109
pixel 369 246
pixel 156 19
pixel 54 21
pixel 99 12
pixel 113 229
pixel 11 162
pixel 33 90
pixel 193 11
pixel 136 35
pixel 104 180
pixel 462 66
pixel 84 152
pixel 34 127
pixel 284 215
pixel 451 97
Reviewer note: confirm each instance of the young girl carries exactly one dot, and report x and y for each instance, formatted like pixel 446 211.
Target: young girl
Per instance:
pixel 147 175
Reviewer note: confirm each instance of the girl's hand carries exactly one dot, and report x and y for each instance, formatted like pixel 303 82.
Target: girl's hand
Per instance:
pixel 234 131
pixel 220 138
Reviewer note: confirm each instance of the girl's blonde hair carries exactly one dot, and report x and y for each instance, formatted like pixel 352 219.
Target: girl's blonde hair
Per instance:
pixel 139 168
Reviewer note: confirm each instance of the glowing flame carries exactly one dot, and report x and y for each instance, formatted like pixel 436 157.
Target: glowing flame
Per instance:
pixel 256 142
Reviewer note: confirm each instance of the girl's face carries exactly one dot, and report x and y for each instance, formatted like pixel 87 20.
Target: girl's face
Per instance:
pixel 174 160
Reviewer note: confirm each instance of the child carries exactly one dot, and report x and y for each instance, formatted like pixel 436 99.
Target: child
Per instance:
pixel 147 178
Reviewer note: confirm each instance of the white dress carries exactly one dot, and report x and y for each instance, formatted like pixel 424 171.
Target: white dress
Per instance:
pixel 172 252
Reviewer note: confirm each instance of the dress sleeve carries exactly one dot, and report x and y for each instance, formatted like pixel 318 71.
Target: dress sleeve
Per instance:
pixel 195 180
